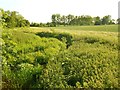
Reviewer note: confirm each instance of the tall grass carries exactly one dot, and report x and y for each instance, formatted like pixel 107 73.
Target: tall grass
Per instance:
pixel 106 28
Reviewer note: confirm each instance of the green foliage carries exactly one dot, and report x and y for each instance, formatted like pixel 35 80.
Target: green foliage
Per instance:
pixel 106 20
pixel 11 19
pixel 64 37
pixel 41 60
pixel 57 20
pixel 118 21
pixel 91 64
pixel 77 29
pixel 24 57
pixel 97 20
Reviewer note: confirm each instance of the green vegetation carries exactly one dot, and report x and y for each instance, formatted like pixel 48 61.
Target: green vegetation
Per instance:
pixel 105 28
pixel 61 57
pixel 25 56
pixel 67 56
pixel 57 19
pixel 71 20
pixel 11 19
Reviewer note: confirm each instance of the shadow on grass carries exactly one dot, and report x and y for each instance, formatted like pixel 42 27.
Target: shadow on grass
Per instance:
pixel 64 37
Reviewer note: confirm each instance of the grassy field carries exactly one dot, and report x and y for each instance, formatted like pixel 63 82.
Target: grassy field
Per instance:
pixel 106 31
pixel 60 57
pixel 77 29
pixel 106 28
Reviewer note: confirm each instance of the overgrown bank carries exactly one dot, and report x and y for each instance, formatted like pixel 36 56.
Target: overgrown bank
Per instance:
pixel 42 60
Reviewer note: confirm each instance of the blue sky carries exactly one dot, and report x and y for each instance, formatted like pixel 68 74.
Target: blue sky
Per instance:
pixel 41 10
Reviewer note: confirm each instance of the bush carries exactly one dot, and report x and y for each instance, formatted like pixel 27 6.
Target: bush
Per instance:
pixel 65 37
pixel 44 62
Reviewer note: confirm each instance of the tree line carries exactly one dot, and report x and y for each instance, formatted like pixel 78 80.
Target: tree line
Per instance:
pixel 58 20
pixel 12 19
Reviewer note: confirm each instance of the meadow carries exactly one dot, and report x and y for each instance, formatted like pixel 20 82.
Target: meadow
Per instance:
pixel 106 28
pixel 60 57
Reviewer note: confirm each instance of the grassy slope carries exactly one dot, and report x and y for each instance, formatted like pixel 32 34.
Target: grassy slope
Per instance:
pixel 77 29
pixel 106 32
pixel 92 46
pixel 107 28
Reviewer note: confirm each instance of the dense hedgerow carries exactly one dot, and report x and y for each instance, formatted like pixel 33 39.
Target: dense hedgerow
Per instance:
pixel 42 60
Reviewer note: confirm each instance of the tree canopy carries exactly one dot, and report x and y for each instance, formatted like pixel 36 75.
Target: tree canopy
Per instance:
pixel 12 19
pixel 57 19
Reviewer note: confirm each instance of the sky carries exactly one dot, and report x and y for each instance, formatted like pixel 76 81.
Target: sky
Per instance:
pixel 42 10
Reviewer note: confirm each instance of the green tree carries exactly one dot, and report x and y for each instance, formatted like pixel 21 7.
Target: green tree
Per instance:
pixel 106 20
pixel 54 19
pixel 88 20
pixel 112 21
pixel 97 21
pixel 58 19
pixel 63 20
pixel 118 21
pixel 3 16
pixel 74 21
pixel 13 19
pixel 69 18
